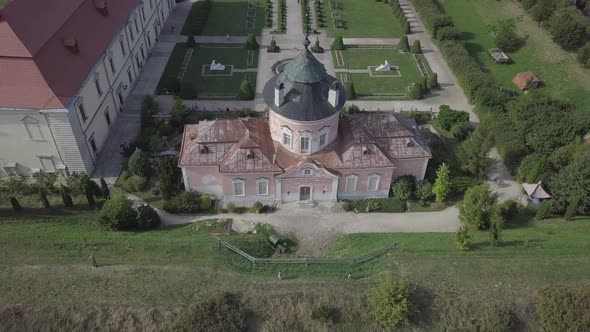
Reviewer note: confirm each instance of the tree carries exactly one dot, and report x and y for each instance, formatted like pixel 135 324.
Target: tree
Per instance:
pixel 403 188
pixel 15 187
pixel 391 302
pixel 205 202
pixel 432 81
pixel 407 29
pixel 350 91
pixel 246 90
pixel 104 188
pixel 15 204
pixel 317 48
pixel 447 117
pixel 179 112
pixel 46 181
pixel 117 213
pixel 448 33
pixel 65 196
pixel 82 184
pixel 584 56
pixel 532 168
pixel 138 163
pixel 416 48
pixel 439 22
pixel 338 44
pixel 463 239
pixel 273 47
pixel 190 41
pixel 565 30
pixel 571 187
pixel 461 130
pixel 543 210
pixel 424 85
pixel 506 38
pixel 43 198
pixel 251 43
pixel 472 153
pixel 415 91
pixel 403 44
pixel 543 10
pixel 424 191
pixel 478 207
pixel 442 185
pixel 147 218
pixel 170 182
pixel 496 224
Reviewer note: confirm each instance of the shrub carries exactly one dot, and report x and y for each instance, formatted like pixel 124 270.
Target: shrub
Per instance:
pixel 459 184
pixel 257 207
pixel 448 33
pixel 564 309
pixel 147 218
pixel 317 48
pixel 420 117
pixel 205 202
pixel 531 168
pixel 463 239
pixel 150 104
pixel 325 313
pixel 424 191
pixel 403 188
pixel 133 184
pixel 273 47
pixel 251 43
pixel 407 29
pixel 138 163
pixel 220 313
pixel 372 206
pixel 231 207
pixel 461 130
pixel 170 182
pixel 433 81
pixel 565 30
pixel 584 56
pixel 543 210
pixel 104 188
pixel 403 44
pixel 442 187
pixel 246 90
pixel 117 213
pixel 179 113
pixel 415 91
pixel 478 206
pixel 390 302
pixel 416 48
pixel 165 130
pixel 508 209
pixel 338 44
pixel 185 202
pixel 506 38
pixel 350 91
pixel 447 117
pixel 497 319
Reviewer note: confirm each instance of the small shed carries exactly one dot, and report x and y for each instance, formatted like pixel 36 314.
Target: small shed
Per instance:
pixel 526 80
pixel 498 55
pixel 535 193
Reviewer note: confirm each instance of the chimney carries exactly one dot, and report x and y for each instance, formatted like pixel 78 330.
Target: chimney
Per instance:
pixel 279 94
pixel 72 45
pixel 333 95
pixel 101 7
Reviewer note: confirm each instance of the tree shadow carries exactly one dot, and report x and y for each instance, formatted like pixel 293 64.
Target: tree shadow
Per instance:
pixel 465 35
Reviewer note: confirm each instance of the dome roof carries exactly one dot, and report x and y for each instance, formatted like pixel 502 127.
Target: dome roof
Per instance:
pixel 305 86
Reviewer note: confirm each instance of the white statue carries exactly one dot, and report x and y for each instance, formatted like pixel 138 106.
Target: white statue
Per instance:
pixel 384 67
pixel 216 66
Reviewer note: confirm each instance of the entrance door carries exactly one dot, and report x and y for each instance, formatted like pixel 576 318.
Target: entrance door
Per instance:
pixel 304 193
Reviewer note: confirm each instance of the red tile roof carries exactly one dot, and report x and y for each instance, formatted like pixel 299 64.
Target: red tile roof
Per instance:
pixel 33 31
pixel 522 80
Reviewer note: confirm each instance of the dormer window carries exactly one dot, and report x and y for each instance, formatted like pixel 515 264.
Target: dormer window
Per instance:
pixel 304 146
pixel 250 154
pixel 287 137
pixel 409 143
pixel 72 45
pixel 204 149
pixel 307 171
pixel 366 150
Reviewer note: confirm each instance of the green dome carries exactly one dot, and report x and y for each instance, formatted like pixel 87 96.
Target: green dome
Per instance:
pixel 305 68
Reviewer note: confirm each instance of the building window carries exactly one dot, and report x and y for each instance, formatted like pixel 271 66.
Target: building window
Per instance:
pixel 129 76
pixel 307 171
pixel 122 44
pixel 92 144
pixel 10 169
pixel 287 139
pixel 107 116
pixel 262 187
pixel 239 188
pixel 143 13
pixel 142 52
pixel 323 139
pixel 373 182
pixel 151 4
pixel 82 112
pixel 131 33
pixel 149 39
pixel 304 147
pixel 97 85
pixel 33 129
pixel 136 28
pixel 350 186
pixel 138 62
pixel 112 64
pixel 47 164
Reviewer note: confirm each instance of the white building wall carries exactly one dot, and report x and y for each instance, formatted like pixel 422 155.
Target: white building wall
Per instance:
pixel 67 137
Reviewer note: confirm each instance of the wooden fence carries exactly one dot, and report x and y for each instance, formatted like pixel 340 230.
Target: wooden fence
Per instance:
pixel 307 260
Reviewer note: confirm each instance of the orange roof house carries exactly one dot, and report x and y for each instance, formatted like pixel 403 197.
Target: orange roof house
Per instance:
pixel 526 80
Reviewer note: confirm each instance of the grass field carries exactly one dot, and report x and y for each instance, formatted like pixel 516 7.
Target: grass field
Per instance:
pixel 209 87
pixel 373 86
pixel 147 279
pixel 229 17
pixel 562 76
pixel 365 19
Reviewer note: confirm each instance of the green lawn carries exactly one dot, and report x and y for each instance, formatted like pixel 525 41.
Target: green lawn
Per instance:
pixel 378 86
pixel 230 17
pixel 209 87
pixel 3 3
pixel 562 76
pixel 365 19
pixel 147 279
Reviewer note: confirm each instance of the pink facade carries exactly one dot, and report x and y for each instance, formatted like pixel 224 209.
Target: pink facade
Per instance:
pixel 280 126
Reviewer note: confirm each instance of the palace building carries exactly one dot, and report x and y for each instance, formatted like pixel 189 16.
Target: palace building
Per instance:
pixel 306 150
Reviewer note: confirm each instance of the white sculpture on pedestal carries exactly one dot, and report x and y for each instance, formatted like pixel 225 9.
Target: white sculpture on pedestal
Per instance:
pixel 384 67
pixel 216 66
